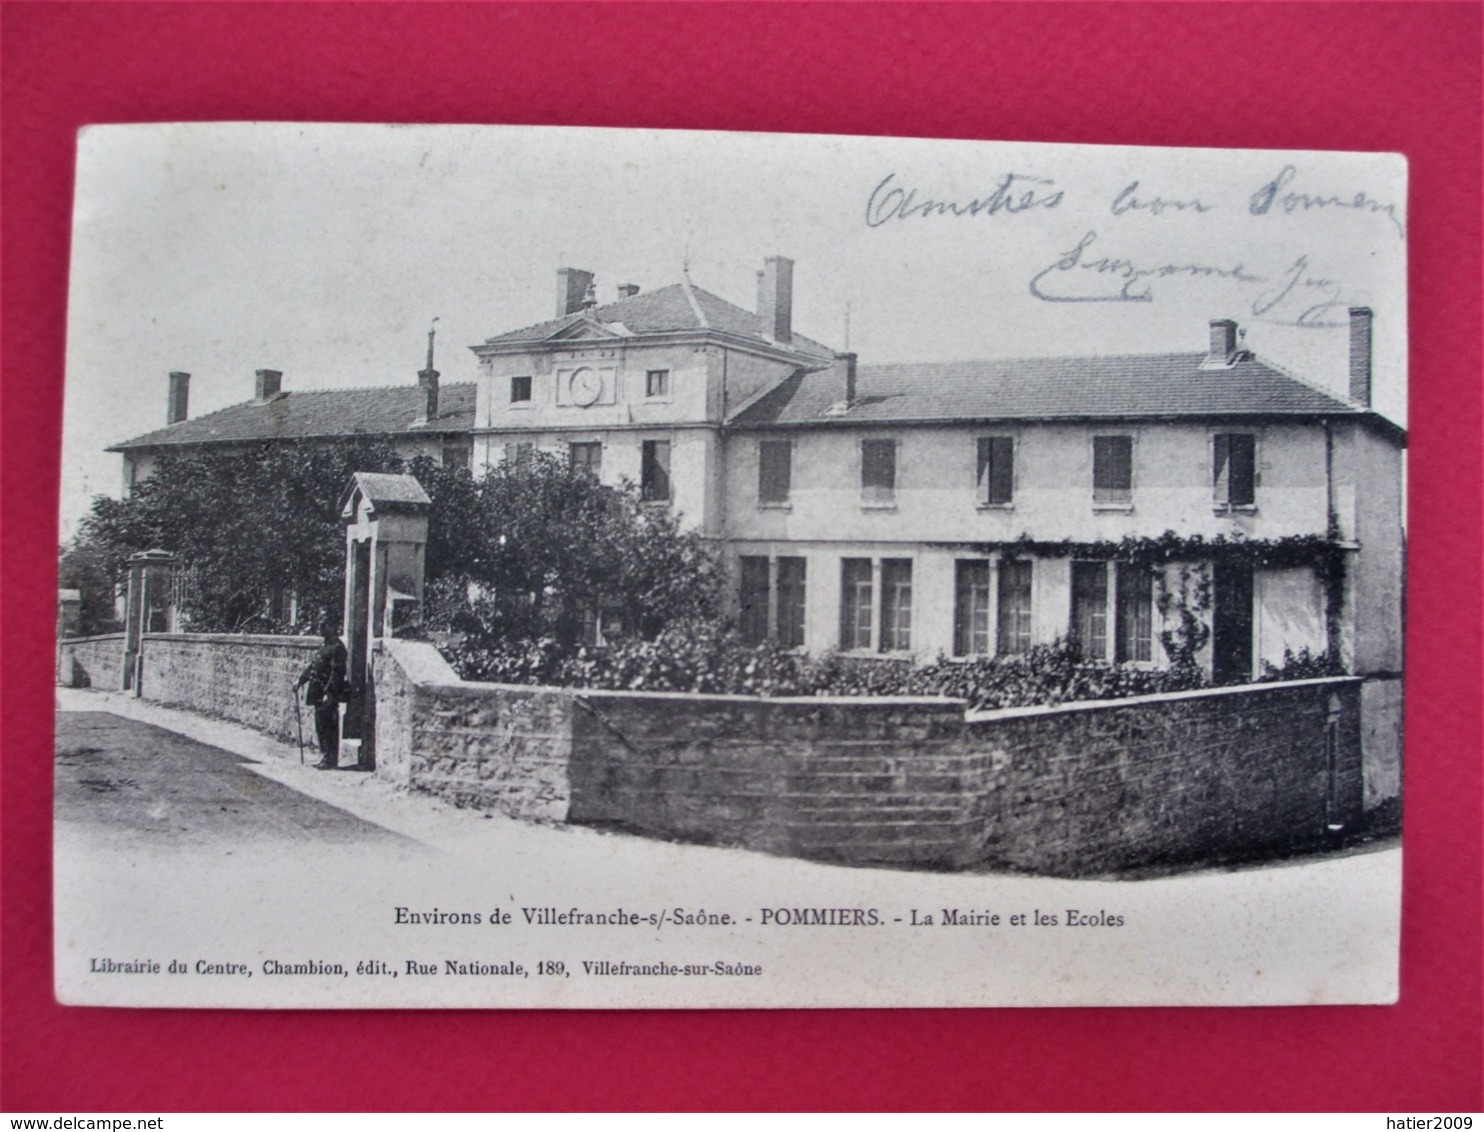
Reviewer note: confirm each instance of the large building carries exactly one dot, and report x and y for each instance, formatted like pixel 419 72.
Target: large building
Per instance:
pixel 978 508
pixel 962 509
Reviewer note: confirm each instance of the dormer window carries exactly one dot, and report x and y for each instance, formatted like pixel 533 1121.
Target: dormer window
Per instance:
pixel 520 390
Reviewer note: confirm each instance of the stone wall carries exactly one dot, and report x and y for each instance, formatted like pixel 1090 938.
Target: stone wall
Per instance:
pixel 1068 790
pixel 247 679
pixel 887 780
pixel 487 746
pixel 1194 776
pixel 1381 719
pixel 91 662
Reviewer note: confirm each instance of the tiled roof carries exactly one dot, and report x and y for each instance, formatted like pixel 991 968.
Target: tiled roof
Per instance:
pixel 667 308
pixel 389 491
pixel 301 414
pixel 1149 386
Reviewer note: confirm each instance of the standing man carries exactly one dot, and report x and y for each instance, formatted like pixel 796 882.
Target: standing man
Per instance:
pixel 325 675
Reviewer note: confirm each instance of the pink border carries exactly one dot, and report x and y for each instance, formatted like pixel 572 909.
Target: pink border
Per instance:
pixel 1377 76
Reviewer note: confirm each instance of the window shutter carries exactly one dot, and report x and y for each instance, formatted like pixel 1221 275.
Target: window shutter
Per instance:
pixel 775 471
pixel 878 470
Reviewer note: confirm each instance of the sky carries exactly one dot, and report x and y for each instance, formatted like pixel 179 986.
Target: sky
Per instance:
pixel 326 251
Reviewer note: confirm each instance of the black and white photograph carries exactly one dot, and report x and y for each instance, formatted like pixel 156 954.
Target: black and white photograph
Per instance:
pixel 555 567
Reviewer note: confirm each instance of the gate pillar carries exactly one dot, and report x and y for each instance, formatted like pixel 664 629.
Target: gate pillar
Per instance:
pixel 148 609
pixel 386 538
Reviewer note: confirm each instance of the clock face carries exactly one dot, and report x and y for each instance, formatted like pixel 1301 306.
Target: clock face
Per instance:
pixel 587 387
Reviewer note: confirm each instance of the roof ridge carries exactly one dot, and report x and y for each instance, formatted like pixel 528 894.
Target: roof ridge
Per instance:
pixel 1313 386
pixel 695 304
pixel 1009 359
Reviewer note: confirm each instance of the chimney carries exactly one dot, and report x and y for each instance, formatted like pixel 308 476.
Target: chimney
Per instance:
pixel 1223 343
pixel 572 285
pixel 270 381
pixel 627 290
pixel 847 363
pixel 179 398
pixel 1360 356
pixel 775 298
pixel 427 387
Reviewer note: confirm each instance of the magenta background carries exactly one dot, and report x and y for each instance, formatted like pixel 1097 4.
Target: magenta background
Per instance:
pixel 1374 76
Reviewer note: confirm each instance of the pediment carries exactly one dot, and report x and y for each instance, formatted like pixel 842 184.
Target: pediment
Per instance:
pixel 582 329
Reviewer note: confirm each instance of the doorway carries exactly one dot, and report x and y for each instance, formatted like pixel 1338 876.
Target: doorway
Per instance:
pixel 1231 624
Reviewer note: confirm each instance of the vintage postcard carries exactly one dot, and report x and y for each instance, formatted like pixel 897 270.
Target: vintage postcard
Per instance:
pixel 514 567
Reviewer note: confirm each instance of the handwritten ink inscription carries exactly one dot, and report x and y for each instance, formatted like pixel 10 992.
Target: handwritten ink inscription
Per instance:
pixel 1129 201
pixel 1296 296
pixel 1272 196
pixel 1113 279
pixel 1299 294
pixel 1012 193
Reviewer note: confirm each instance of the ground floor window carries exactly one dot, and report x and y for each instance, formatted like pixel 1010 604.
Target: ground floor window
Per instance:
pixel 654 471
pixel 791 602
pixel 753 622
pixel 856 603
pixel 458 452
pixel 896 604
pixel 586 456
pixel 1088 632
pixel 773 600
pixel 971 609
pixel 601 628
pixel 864 625
pixel 1015 605
pixel 1135 599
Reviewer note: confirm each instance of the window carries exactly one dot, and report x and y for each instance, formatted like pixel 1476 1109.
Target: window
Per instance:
pixel 1113 470
pixel 774 471
pixel 1015 606
pixel 518 455
pixel 586 456
pixel 773 601
pixel 1088 632
pixel 791 599
pixel 996 471
pixel 855 603
pixel 896 604
pixel 878 472
pixel 971 609
pixel 1235 469
pixel 520 389
pixel 657 383
pixel 1135 600
pixel 654 473
pixel 458 453
pixel 601 628
pixel 754 620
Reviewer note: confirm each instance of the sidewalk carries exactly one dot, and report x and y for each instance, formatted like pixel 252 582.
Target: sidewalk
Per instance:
pixel 1317 930
pixel 422 817
pixel 460 832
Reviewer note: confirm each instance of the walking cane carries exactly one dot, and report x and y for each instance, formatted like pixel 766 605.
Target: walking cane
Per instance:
pixel 299 720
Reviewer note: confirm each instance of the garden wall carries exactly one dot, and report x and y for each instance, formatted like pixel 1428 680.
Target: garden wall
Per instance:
pixel 247 679
pixel 91 662
pixel 1068 790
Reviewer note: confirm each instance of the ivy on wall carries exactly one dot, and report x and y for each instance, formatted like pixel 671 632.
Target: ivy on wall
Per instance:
pixel 1324 554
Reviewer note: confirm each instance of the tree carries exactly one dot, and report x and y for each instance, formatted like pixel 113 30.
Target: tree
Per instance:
pixel 536 549
pixel 80 566
pixel 244 526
